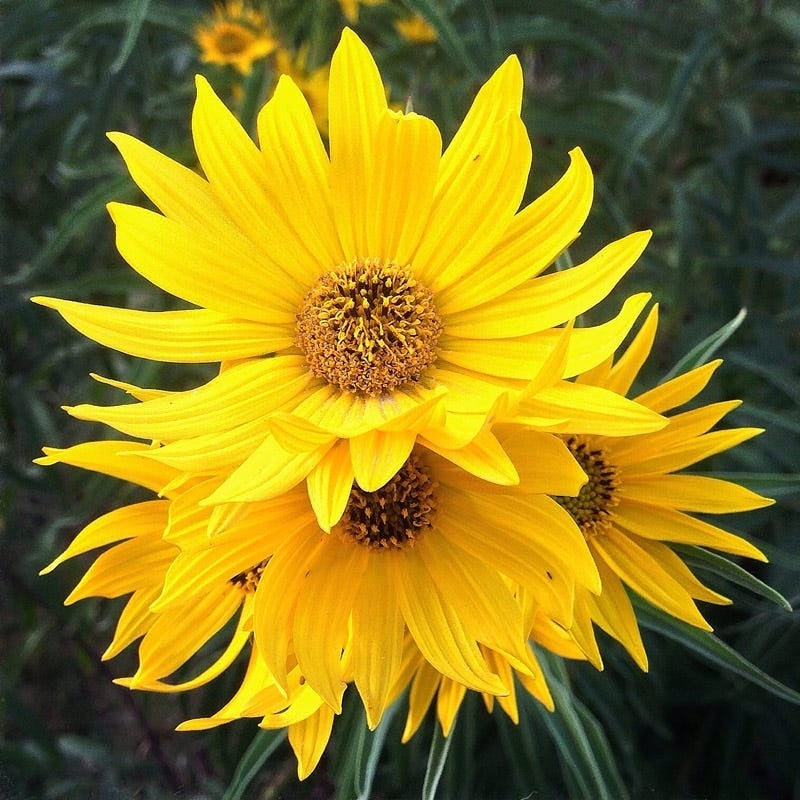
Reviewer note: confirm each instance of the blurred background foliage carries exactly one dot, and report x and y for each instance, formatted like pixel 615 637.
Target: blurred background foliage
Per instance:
pixel 690 115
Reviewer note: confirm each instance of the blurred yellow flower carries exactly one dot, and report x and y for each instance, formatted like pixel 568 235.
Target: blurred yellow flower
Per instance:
pixel 634 506
pixel 350 8
pixel 416 29
pixel 235 34
pixel 386 296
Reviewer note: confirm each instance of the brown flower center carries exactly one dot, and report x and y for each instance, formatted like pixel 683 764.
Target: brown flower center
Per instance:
pixel 591 509
pixel 395 515
pixel 368 327
pixel 233 39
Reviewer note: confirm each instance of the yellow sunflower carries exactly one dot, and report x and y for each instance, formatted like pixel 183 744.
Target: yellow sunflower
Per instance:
pixel 416 29
pixel 395 290
pixel 235 34
pixel 634 505
pixel 313 84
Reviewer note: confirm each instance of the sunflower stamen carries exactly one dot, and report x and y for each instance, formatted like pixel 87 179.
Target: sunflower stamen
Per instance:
pixel 248 580
pixel 591 509
pixel 397 514
pixel 368 327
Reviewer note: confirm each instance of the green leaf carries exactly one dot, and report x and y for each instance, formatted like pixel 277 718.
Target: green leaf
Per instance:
pixel 702 352
pixel 711 649
pixel 264 744
pixel 698 558
pixel 137 12
pixel 437 758
pixel 365 769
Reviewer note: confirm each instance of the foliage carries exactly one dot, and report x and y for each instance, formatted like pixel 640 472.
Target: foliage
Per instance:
pixel 688 114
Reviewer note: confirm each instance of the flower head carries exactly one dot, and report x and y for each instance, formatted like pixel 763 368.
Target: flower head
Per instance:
pixel 235 34
pixel 350 8
pixel 386 296
pixel 636 502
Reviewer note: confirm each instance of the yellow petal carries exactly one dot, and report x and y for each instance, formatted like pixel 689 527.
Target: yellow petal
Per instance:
pixel 696 449
pixel 437 628
pixel 474 206
pixel 326 591
pixel 124 523
pixel 223 272
pixel 377 456
pixel 176 635
pixel 134 620
pixel 177 336
pixel 451 694
pixel 691 493
pixel 309 738
pixel 483 457
pixel 378 639
pixel 401 184
pixel 242 393
pixel 499 97
pixel 551 299
pixel 119 459
pixel 329 485
pixel 591 409
pixel 627 366
pixel 613 612
pixel 235 169
pixel 679 390
pixel 423 688
pixel 647 577
pixel 357 102
pixel 668 525
pixel 134 564
pixel 535 238
pixel 178 192
pixel 296 163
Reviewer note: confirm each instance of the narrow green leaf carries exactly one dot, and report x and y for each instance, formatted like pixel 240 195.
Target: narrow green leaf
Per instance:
pixel 702 352
pixel 264 744
pixel 698 558
pixel 365 771
pixel 437 758
pixel 711 649
pixel 137 12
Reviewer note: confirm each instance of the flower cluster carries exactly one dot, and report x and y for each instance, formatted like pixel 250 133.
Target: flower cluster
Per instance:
pixel 413 469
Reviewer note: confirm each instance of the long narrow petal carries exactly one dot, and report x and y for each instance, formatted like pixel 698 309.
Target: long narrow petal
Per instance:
pixel 177 336
pixel 627 366
pixel 134 620
pixel 329 485
pixel 424 685
pixel 665 524
pixel 298 168
pixel 128 522
pixel 235 169
pixel 120 459
pixel 591 409
pixel 178 192
pixel 223 272
pixel 483 457
pixel 691 493
pixel 309 738
pixel 474 206
pixel 437 629
pixel 551 299
pixel 326 590
pixel 697 449
pixel 534 239
pixel 401 184
pixel 645 575
pixel 357 102
pixel 242 393
pixel 679 390
pixel 378 632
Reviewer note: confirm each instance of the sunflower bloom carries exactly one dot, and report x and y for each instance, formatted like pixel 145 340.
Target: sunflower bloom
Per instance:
pixel 636 503
pixel 396 290
pixel 235 34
